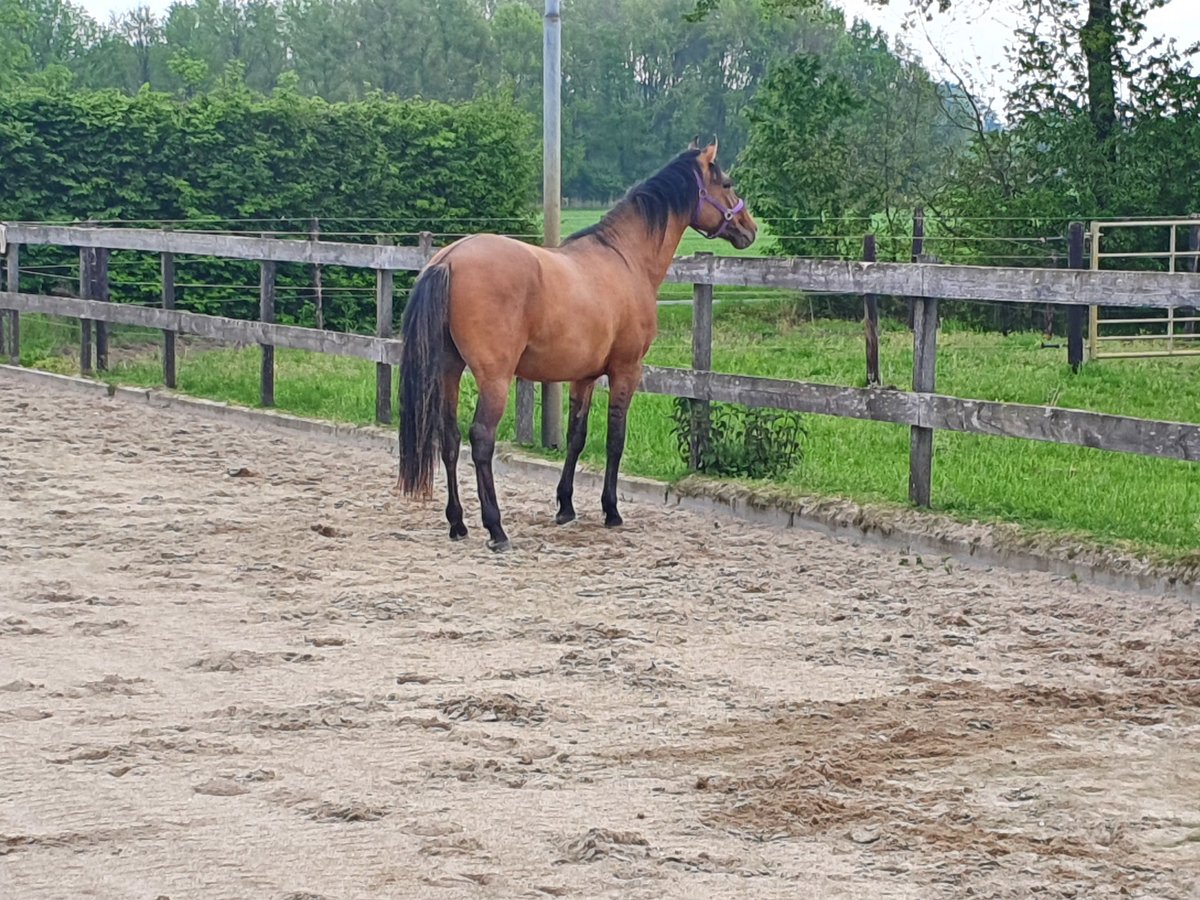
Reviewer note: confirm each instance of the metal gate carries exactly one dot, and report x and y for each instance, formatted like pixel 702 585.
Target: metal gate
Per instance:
pixel 1174 333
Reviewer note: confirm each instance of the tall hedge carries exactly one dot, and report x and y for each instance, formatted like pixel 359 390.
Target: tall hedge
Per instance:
pixel 372 165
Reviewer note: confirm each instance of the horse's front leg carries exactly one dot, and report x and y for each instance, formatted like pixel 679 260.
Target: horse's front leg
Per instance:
pixel 577 428
pixel 621 385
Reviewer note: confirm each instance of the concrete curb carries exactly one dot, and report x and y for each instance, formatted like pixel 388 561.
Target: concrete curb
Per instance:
pixel 833 524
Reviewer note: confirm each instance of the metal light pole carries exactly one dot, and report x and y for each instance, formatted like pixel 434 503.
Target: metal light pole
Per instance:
pixel 551 188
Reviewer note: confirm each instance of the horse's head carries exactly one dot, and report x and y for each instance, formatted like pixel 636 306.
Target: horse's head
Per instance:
pixel 719 211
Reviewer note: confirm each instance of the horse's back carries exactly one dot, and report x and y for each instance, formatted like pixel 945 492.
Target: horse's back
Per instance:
pixel 483 266
pixel 542 314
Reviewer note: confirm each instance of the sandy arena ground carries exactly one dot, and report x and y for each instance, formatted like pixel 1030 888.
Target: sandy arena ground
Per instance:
pixel 234 664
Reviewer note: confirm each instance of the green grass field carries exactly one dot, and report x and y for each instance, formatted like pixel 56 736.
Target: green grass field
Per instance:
pixel 1152 504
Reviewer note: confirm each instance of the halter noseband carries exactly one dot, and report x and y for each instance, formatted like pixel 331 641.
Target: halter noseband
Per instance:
pixel 727 213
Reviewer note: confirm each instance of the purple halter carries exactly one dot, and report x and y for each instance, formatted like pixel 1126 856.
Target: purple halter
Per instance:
pixel 727 213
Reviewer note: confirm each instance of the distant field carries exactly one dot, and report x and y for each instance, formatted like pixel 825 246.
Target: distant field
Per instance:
pixel 1109 497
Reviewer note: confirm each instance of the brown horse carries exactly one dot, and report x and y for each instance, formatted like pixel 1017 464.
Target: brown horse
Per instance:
pixel 505 308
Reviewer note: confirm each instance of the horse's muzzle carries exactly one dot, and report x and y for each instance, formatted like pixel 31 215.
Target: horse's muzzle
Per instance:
pixel 741 238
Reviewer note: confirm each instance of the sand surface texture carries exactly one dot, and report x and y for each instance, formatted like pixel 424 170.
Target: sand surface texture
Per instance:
pixel 234 664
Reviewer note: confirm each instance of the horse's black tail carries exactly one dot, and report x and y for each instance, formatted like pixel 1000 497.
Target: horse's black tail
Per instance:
pixel 423 331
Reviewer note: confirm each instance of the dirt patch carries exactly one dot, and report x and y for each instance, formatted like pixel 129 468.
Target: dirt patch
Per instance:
pixel 237 660
pixel 887 773
pixel 221 787
pixel 598 843
pixel 497 708
pixel 108 686
pixel 194 680
pixel 345 812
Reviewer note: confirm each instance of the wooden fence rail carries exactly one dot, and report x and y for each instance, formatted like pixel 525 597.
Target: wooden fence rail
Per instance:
pixel 922 409
pixel 217 328
pixel 1100 431
pixel 999 284
pixel 225 246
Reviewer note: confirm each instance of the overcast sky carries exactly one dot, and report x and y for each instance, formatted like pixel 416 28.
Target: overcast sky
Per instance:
pixel 972 36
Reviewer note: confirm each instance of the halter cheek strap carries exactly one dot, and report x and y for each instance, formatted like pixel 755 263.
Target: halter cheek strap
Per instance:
pixel 726 213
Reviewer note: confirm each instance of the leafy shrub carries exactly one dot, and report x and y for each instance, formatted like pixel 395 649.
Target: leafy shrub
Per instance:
pixel 738 441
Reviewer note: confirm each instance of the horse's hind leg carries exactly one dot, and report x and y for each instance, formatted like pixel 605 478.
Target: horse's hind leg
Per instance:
pixel 451 438
pixel 493 395
pixel 581 403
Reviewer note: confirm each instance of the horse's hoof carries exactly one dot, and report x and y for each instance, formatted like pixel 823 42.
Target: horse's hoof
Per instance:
pixel 613 520
pixel 564 517
pixel 458 532
pixel 499 546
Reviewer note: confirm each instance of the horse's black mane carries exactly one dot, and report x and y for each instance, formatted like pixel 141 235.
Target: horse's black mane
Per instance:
pixel 671 190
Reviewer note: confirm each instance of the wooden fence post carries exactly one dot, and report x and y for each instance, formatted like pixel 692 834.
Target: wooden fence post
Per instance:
pixel 871 319
pixel 314 234
pixel 1047 309
pixel 384 316
pixel 100 273
pixel 918 248
pixel 86 291
pixel 924 380
pixel 702 341
pixel 266 313
pixel 8 287
pixel 168 302
pixel 552 415
pixel 524 411
pixel 525 405
pixel 1076 314
pixel 13 260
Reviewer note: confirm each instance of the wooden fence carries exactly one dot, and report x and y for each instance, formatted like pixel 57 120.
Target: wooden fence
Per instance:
pixel 922 409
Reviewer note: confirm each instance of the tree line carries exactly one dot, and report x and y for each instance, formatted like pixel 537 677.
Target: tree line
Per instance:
pixel 640 77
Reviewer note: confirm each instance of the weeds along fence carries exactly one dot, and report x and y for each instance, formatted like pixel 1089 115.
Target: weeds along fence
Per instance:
pixel 923 283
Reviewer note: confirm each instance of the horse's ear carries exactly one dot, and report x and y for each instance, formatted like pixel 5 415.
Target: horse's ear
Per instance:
pixel 695 144
pixel 709 154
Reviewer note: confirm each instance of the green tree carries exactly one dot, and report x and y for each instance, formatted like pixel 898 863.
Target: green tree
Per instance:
pixel 794 166
pixel 130 53
pixel 516 31
pixel 846 142
pixel 317 37
pixel 639 81
pixel 16 58
pixel 1098 127
pixel 220 32
pixel 56 32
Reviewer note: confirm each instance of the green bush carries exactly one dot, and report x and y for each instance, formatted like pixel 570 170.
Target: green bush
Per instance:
pixel 738 441
pixel 375 165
